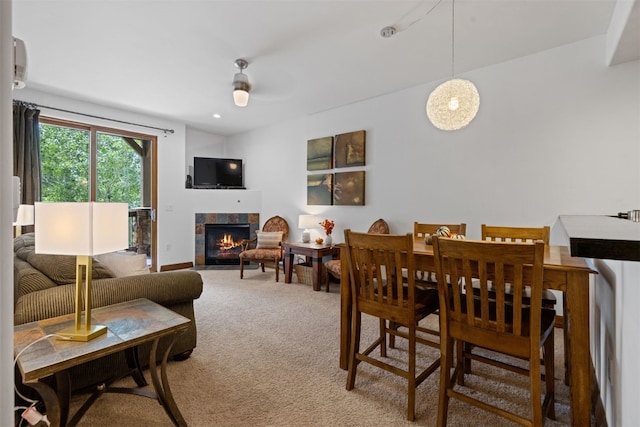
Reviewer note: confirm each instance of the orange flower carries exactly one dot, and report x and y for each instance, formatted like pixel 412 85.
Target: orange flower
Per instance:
pixel 328 226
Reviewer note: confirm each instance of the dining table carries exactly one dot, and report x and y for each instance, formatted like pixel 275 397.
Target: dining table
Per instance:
pixel 563 273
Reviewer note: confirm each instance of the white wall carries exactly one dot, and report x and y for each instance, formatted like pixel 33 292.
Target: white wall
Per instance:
pixel 557 133
pixel 6 205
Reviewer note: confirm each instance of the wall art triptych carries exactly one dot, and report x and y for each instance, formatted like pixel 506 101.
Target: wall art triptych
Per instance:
pixel 334 152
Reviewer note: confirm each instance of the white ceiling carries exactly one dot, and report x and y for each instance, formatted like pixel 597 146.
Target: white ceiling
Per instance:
pixel 174 58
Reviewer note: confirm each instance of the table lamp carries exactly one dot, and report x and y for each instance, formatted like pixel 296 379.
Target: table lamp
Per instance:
pixel 306 222
pixel 24 217
pixel 83 230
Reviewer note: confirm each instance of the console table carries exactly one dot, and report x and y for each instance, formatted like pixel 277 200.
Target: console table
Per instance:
pixel 313 252
pixel 129 324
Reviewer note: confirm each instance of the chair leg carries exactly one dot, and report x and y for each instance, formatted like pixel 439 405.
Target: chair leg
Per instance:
pixel 446 359
pixel 535 390
pixel 567 344
pixel 463 362
pixel 411 396
pixel 262 265
pixel 549 373
pixel 383 337
pixel 354 348
pixel 241 268
pixel 277 270
pixel 392 338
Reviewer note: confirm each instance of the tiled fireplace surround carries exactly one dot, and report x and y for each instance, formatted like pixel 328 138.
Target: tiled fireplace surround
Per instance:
pixel 253 219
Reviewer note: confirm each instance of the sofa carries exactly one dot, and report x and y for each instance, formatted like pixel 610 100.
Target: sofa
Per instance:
pixel 44 287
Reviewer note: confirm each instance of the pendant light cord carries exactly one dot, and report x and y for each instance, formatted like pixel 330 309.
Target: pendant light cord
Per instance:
pixel 453 35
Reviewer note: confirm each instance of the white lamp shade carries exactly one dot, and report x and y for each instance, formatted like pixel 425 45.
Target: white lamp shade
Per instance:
pixel 453 104
pixel 308 221
pixel 81 228
pixel 25 215
pixel 240 97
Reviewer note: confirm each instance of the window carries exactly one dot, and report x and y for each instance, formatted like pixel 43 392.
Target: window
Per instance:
pixel 82 163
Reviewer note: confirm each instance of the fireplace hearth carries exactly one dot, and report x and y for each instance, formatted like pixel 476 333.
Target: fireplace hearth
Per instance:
pixel 223 243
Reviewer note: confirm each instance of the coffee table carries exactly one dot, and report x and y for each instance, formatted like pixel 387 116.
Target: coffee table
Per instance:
pixel 129 324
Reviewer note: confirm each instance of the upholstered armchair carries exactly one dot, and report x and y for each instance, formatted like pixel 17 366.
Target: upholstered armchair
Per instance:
pixel 266 248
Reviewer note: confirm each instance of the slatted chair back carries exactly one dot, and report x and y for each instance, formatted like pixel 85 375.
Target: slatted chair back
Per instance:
pixel 420 229
pixel 515 234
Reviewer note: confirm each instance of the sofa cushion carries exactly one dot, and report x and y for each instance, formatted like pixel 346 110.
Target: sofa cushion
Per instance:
pixel 124 263
pixel 62 268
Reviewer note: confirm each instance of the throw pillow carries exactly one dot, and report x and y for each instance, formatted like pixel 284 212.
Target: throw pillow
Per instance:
pixel 124 263
pixel 269 239
pixel 62 268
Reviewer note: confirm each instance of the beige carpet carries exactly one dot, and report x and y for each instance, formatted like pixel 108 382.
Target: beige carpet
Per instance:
pixel 267 355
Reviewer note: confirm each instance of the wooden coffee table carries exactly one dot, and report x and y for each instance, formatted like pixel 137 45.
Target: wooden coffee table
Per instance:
pixel 313 252
pixel 129 324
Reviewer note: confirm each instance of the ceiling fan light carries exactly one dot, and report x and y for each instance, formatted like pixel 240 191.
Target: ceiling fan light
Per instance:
pixel 453 104
pixel 240 97
pixel 241 86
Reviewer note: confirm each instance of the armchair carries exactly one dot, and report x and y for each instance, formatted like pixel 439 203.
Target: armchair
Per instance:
pixel 267 246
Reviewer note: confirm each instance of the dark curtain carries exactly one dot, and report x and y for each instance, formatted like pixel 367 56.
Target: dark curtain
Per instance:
pixel 26 151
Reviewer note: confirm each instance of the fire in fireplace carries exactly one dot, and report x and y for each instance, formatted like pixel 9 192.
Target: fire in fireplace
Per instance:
pixel 223 243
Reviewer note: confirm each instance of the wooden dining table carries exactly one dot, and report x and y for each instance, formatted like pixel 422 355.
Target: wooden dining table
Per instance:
pixel 562 272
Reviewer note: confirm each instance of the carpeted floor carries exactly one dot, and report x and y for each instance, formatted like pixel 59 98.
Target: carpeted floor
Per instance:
pixel 267 355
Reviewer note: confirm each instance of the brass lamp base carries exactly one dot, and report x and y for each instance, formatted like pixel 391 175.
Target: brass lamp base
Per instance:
pixel 81 334
pixel 83 331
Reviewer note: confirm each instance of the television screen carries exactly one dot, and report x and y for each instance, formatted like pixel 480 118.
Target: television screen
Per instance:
pixel 217 173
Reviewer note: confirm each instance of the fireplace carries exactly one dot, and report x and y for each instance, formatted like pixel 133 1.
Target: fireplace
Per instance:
pixel 231 220
pixel 222 243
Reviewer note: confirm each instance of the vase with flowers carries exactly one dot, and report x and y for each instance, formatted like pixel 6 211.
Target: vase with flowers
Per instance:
pixel 327 225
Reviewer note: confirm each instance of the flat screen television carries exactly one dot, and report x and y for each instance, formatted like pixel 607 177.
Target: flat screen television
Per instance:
pixel 211 172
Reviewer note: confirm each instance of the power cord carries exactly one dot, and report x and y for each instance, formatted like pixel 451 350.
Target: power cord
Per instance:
pixel 30 413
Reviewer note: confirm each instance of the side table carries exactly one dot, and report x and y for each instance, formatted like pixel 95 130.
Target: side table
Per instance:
pixel 129 324
pixel 313 252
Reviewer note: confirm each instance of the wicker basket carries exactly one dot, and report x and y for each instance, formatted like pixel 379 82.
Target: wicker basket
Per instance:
pixel 304 273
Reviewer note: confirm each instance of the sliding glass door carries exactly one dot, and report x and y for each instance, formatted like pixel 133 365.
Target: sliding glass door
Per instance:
pixel 89 163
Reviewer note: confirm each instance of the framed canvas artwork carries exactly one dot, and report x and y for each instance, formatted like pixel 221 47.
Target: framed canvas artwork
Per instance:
pixel 319 189
pixel 348 188
pixel 319 153
pixel 349 149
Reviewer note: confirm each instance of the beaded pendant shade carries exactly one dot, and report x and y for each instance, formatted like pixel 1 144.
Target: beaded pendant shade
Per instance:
pixel 453 104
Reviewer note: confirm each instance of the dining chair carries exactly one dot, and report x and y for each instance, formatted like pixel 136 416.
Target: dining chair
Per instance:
pixel 508 327
pixel 427 279
pixel 266 247
pixel 375 263
pixel 420 232
pixel 334 266
pixel 531 234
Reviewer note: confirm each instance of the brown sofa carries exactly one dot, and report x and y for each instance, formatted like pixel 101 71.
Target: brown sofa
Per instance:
pixel 44 287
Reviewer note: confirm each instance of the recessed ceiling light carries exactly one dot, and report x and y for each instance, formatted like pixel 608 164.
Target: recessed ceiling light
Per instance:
pixel 216 116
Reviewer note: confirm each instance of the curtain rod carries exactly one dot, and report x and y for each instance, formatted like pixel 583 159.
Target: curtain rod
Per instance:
pixel 166 131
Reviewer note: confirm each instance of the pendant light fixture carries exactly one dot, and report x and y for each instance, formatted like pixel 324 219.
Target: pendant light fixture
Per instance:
pixel 241 86
pixel 453 104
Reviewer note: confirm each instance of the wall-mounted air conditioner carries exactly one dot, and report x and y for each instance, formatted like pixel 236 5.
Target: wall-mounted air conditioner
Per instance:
pixel 20 64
